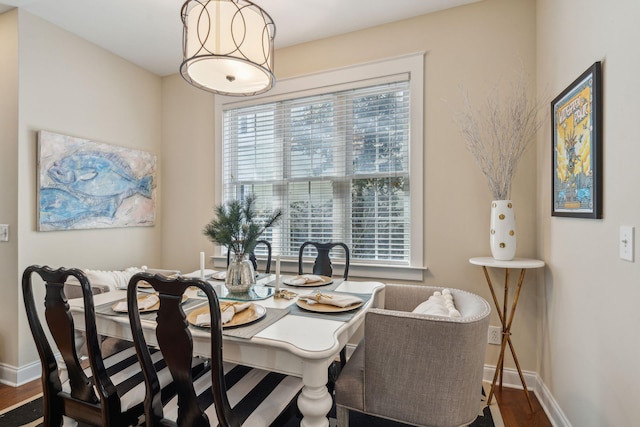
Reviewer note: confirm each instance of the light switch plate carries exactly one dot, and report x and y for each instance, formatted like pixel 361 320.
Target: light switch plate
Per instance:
pixel 626 243
pixel 4 232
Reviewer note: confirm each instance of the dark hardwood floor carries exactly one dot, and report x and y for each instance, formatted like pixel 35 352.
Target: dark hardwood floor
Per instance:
pixel 515 409
pixel 9 396
pixel 513 404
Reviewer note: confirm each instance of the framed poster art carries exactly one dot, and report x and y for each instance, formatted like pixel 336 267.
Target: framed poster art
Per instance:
pixel 576 119
pixel 84 184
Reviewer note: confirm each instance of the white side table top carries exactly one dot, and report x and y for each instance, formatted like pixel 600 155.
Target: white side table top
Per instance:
pixel 488 261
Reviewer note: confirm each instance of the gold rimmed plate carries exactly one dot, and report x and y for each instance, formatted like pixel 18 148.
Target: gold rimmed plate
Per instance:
pixel 251 314
pixel 324 280
pixel 326 308
pixel 141 298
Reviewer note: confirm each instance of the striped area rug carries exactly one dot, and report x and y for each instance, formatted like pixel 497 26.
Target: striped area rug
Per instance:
pixel 487 416
pixel 26 413
pixel 29 413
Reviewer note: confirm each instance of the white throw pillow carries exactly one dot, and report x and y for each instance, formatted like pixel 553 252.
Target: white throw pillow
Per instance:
pixel 438 304
pixel 113 279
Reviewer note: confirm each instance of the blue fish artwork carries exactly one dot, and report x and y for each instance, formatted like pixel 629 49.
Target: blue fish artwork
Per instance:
pixel 84 184
pixel 99 175
pixel 61 208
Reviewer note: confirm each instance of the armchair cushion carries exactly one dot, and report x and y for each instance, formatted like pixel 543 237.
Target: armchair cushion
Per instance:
pixel 112 279
pixel 439 304
pixel 108 280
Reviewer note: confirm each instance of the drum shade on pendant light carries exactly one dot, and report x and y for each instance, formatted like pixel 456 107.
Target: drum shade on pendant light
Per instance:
pixel 227 47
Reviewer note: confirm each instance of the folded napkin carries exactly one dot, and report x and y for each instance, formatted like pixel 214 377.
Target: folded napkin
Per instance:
pixel 301 280
pixel 144 303
pixel 228 312
pixel 339 300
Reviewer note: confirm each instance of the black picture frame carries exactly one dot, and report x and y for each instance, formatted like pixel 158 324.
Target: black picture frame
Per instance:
pixel 576 150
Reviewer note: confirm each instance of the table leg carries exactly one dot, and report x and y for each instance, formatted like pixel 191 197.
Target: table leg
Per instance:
pixel 493 294
pixel 506 332
pixel 504 322
pixel 314 401
pixel 508 336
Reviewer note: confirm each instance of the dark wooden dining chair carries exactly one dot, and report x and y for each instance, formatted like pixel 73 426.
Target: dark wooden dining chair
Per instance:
pixel 230 395
pixel 322 264
pixel 254 260
pixel 98 391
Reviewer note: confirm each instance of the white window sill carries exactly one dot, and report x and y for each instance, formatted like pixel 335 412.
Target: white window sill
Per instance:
pixel 356 270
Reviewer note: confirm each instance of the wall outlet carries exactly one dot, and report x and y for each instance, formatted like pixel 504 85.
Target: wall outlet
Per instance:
pixel 4 232
pixel 495 335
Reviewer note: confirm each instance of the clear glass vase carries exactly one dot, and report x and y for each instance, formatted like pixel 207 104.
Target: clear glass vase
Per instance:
pixel 240 274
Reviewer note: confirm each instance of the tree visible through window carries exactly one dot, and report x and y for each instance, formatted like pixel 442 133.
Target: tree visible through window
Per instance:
pixel 337 164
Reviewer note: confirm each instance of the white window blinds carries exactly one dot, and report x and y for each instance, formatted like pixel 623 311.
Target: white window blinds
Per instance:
pixel 336 163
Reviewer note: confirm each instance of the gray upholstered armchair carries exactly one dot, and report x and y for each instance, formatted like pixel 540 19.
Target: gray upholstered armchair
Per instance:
pixel 418 369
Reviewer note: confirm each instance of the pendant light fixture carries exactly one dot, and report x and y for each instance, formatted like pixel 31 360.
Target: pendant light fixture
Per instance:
pixel 227 47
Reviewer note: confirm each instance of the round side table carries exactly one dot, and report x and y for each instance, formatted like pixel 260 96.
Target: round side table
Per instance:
pixel 523 264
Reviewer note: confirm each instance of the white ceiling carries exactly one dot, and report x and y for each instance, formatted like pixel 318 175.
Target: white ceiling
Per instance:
pixel 149 32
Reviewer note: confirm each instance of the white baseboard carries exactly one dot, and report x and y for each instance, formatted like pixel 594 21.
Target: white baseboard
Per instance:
pixel 535 384
pixel 15 377
pixel 550 406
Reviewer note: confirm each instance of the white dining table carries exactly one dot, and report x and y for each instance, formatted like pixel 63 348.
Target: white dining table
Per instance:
pixel 303 346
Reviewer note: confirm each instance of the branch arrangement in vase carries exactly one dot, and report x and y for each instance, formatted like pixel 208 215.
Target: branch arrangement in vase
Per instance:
pixel 238 226
pixel 500 133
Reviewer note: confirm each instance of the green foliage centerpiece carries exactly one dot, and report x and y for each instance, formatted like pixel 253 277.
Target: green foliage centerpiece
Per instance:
pixel 238 226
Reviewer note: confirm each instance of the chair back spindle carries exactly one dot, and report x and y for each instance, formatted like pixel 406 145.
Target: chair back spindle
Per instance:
pixel 322 264
pixel 175 341
pixel 88 395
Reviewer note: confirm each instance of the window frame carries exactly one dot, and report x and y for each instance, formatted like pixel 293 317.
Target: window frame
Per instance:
pixel 361 75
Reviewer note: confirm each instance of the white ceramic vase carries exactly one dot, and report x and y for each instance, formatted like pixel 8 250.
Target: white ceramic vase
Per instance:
pixel 503 230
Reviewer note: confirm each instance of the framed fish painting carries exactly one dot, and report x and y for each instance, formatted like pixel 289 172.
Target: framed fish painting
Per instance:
pixel 84 184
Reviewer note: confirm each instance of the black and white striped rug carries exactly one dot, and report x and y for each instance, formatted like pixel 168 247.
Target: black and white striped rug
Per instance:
pixel 29 413
pixel 487 417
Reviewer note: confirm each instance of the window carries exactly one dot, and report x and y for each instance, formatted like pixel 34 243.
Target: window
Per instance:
pixel 337 159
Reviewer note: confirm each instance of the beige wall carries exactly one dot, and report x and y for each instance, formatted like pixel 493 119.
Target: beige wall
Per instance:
pixel 589 344
pixel 8 176
pixel 70 86
pixel 188 174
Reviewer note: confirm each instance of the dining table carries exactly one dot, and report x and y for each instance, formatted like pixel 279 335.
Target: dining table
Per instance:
pixel 289 339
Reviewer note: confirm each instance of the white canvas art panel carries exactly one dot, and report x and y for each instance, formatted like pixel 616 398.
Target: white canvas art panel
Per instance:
pixel 84 184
